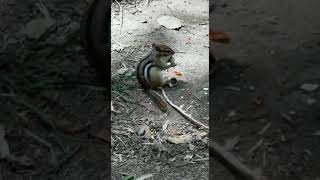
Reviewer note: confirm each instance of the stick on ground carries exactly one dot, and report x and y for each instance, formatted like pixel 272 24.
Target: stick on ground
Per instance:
pixel 232 163
pixel 187 116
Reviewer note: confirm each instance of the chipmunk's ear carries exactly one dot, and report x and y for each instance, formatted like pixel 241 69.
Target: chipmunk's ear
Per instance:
pixel 219 37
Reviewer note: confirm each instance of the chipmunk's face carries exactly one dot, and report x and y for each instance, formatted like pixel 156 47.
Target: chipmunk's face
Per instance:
pixel 164 55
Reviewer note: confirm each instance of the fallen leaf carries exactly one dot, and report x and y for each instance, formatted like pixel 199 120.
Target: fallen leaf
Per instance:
pixel 146 176
pixel 149 106
pixel 170 22
pixel 180 139
pixel 188 157
pixel 309 87
pixel 165 125
pixel 191 147
pixel 122 71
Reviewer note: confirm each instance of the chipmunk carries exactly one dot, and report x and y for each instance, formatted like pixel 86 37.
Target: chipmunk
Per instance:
pixel 149 72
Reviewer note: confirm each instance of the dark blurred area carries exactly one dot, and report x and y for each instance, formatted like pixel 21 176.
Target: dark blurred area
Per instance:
pixel 53 113
pixel 266 87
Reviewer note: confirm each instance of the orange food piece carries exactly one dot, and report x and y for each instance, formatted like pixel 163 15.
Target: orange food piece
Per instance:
pixel 178 73
pixel 219 37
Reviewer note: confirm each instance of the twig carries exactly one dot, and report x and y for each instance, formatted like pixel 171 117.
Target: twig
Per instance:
pixel 255 147
pixel 7 95
pixel 171 11
pixel 43 9
pixel 232 163
pixel 121 141
pixel 39 139
pixel 202 159
pixel 187 116
pixel 92 87
pixel 148 2
pixel 121 12
pixel 135 5
pixel 64 160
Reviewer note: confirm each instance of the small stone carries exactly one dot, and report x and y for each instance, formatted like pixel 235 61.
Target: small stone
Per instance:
pixel 191 147
pixel 311 101
pixel 141 131
pixel 309 87
pixel 188 157
pixel 272 52
pixel 292 113
pixel 252 88
pixel 232 113
pixel 190 129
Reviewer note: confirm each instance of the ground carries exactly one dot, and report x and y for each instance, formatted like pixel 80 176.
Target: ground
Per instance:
pixel 132 38
pixel 258 97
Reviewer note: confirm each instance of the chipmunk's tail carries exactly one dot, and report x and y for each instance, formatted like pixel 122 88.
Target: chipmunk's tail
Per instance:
pixel 219 37
pixel 158 100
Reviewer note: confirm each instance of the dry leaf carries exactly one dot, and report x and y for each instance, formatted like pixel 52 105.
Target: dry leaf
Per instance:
pixel 146 176
pixel 188 157
pixel 165 125
pixel 180 139
pixel 149 106
pixel 170 22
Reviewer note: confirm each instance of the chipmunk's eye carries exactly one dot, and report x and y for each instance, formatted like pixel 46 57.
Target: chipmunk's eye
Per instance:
pixel 167 51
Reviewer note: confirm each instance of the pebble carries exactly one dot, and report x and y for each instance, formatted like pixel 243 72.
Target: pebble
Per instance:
pixel 309 87
pixel 232 113
pixel 252 88
pixel 191 147
pixel 311 101
pixel 141 131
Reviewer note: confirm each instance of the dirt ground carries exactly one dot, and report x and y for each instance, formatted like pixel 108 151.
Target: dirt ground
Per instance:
pixel 153 153
pixel 265 111
pixel 52 114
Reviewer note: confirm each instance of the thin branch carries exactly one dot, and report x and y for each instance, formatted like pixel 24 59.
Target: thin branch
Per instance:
pixel 121 12
pixel 187 116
